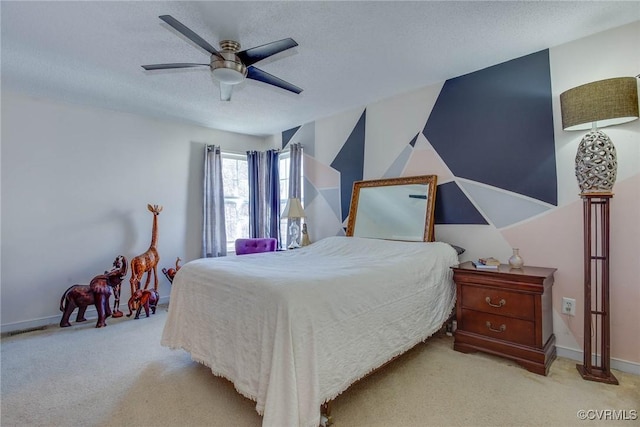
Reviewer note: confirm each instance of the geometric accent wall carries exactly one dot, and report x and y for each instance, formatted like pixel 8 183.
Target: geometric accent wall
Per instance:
pixel 350 163
pixel 495 126
pixel 488 135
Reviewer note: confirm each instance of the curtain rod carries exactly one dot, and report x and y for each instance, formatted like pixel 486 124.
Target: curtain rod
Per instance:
pixel 236 153
pixel 210 147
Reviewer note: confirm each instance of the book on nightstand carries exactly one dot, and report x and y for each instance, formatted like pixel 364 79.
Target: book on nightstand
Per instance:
pixel 480 266
pixel 489 261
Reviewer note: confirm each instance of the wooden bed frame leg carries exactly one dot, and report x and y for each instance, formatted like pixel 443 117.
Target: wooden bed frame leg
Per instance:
pixel 325 414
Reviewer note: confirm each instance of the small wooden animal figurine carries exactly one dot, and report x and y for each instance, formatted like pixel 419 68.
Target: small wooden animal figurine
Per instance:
pixel 116 290
pixel 116 303
pixel 97 292
pixel 171 273
pixel 148 261
pixel 147 299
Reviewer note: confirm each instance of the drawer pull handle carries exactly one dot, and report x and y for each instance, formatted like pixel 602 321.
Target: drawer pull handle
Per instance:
pixel 500 304
pixel 503 327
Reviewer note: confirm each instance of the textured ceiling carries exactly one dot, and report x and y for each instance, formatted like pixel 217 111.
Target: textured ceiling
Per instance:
pixel 350 54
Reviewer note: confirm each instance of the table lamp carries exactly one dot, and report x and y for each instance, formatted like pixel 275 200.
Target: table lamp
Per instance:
pixel 293 210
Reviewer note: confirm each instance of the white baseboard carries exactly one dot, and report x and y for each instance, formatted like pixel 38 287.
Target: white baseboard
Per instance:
pixel 28 325
pixel 621 365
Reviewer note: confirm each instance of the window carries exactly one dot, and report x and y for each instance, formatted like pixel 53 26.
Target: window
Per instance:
pixel 284 194
pixel 235 180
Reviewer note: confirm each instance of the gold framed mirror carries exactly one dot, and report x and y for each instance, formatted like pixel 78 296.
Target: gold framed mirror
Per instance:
pixel 394 208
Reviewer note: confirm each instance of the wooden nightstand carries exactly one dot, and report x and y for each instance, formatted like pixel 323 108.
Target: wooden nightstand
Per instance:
pixel 506 312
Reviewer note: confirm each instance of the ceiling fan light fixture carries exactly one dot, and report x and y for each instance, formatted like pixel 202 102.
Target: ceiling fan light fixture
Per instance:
pixel 230 76
pixel 227 68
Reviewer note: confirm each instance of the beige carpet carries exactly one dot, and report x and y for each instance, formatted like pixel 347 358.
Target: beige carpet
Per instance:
pixel 121 376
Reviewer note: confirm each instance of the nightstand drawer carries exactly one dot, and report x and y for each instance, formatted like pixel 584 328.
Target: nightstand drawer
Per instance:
pixel 497 301
pixel 499 327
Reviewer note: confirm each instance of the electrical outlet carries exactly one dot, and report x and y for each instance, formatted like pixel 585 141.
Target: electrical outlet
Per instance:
pixel 569 306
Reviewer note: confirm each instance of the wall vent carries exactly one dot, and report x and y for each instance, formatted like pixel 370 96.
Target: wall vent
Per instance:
pixel 24 331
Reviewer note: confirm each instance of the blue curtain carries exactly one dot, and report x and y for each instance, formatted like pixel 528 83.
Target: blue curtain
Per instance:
pixel 272 185
pixel 295 171
pixel 214 235
pixel 264 193
pixel 255 204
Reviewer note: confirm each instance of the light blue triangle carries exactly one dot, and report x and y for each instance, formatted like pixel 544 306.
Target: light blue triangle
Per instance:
pixel 310 191
pixel 396 168
pixel 503 208
pixel 332 196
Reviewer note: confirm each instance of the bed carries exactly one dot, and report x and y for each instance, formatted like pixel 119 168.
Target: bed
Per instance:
pixel 294 329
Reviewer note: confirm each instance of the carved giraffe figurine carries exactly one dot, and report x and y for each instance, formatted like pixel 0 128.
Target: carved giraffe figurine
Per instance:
pixel 148 261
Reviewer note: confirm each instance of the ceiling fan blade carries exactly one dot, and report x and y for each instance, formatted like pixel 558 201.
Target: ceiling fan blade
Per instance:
pixel 181 28
pixel 225 91
pixel 170 66
pixel 252 55
pixel 262 76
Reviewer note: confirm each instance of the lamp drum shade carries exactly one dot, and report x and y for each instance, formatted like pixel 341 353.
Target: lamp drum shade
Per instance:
pixel 293 209
pixel 606 102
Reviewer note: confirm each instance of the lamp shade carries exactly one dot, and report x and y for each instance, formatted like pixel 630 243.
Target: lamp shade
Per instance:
pixel 293 209
pixel 605 102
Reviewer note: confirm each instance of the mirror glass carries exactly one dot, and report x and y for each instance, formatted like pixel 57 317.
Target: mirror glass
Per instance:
pixel 393 209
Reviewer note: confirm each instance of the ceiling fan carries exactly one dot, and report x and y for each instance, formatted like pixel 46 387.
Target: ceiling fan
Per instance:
pixel 229 65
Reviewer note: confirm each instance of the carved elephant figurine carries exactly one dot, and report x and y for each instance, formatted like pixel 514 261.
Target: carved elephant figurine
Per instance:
pixel 97 293
pixel 82 296
pixel 147 298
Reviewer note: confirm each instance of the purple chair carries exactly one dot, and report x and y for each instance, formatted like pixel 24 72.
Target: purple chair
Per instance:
pixel 256 245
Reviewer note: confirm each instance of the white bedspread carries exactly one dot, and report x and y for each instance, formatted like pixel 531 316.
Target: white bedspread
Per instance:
pixel 294 329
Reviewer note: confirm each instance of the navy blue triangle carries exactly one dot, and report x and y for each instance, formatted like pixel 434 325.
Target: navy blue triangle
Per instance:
pixel 288 134
pixel 453 206
pixel 413 141
pixel 495 126
pixel 350 163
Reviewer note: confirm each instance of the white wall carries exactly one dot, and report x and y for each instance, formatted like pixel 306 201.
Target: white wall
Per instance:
pixel 76 182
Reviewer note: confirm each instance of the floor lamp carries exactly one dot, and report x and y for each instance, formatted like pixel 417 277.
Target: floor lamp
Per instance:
pixel 598 104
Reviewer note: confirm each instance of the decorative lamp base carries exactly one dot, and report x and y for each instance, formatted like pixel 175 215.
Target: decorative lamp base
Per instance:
pixel 294 232
pixel 597 328
pixel 596 163
pixel 598 375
